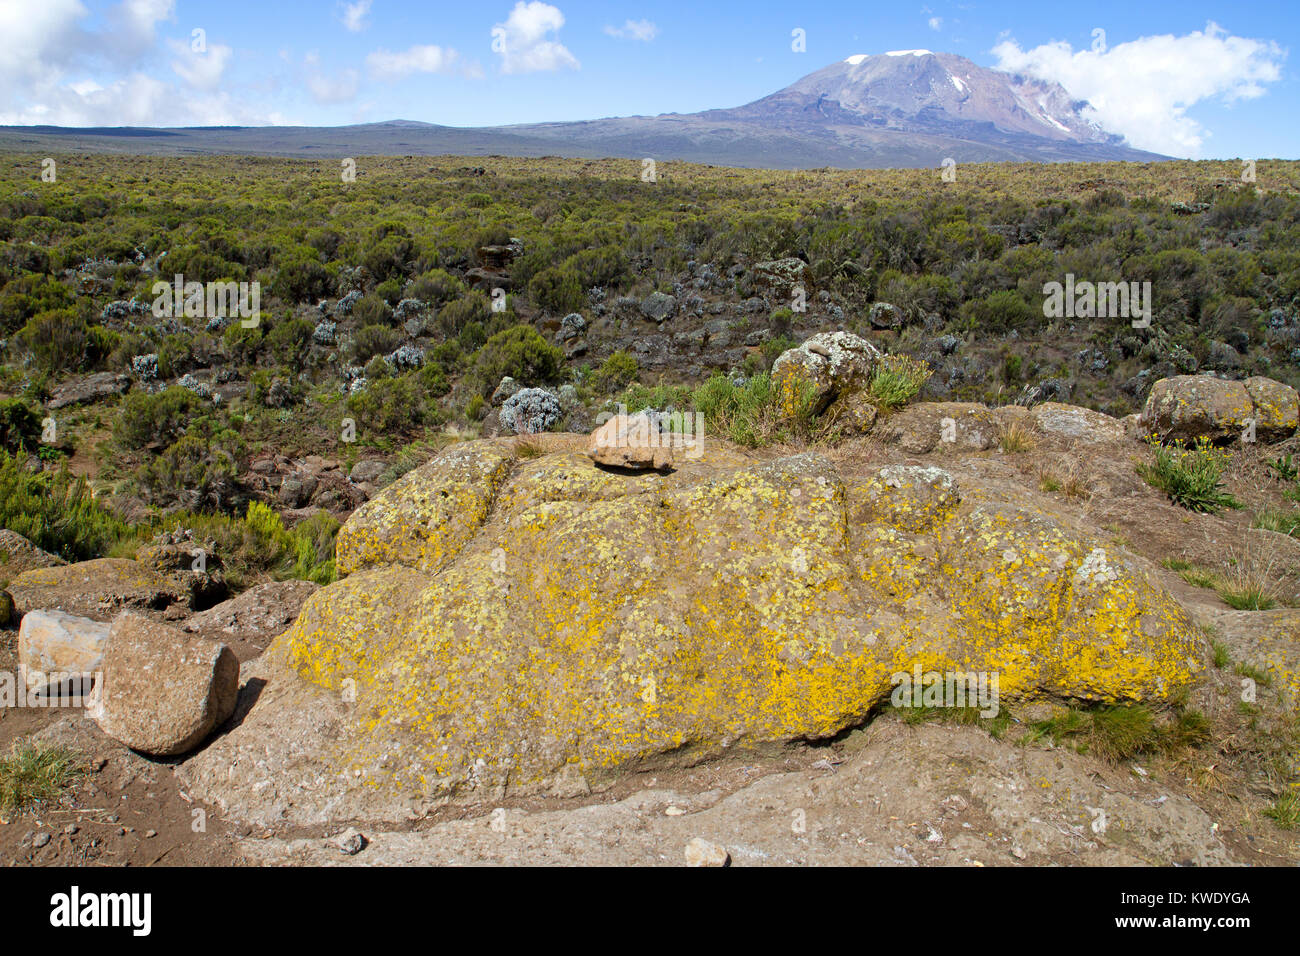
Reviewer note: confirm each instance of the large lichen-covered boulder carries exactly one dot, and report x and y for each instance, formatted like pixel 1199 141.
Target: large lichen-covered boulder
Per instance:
pixel 1189 407
pixel 826 366
pixel 573 622
pixel 781 274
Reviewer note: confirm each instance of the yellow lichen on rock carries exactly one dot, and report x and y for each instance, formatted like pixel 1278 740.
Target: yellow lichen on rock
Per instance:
pixel 425 517
pixel 575 617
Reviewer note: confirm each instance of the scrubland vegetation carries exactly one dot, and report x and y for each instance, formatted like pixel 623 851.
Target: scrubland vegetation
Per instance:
pixel 378 309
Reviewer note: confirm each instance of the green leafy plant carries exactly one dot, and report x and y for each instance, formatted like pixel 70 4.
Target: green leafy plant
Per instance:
pixel 1191 477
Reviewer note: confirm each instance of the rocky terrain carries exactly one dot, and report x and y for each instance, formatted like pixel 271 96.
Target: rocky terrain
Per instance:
pixel 535 658
pixel 544 514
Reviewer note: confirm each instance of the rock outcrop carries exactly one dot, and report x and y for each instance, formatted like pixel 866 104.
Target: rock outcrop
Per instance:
pixel 96 589
pixel 507 622
pixel 1188 407
pixel 17 555
pixel 825 367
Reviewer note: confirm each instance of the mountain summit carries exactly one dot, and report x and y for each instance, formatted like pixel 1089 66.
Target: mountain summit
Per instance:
pixel 903 108
pixel 920 91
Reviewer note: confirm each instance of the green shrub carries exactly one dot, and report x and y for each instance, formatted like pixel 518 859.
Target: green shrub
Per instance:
pixel 372 309
pixel 306 551
pixel 242 341
pixel 20 427
pixel 638 397
pixel 752 414
pixel 519 352
pixel 56 511
pixel 390 258
pixel 615 372
pixel 198 470
pixel 1191 477
pixel 29 295
pixel 372 340
pixel 470 308
pixel 155 420
pixel 302 280
pixel 288 342
pixel 999 312
pixel 436 287
pixel 393 404
pixel 56 340
pixel 558 289
pixel 604 266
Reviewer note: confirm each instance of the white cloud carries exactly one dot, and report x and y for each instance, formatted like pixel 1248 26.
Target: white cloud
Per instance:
pixel 61 66
pixel 524 47
pixel 134 24
pixel 38 39
pixel 936 23
pixel 1142 89
pixel 354 15
pixel 642 30
pixel 201 70
pixel 335 86
pixel 418 59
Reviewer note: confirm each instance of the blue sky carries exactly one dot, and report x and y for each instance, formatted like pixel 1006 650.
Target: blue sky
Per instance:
pixel 1188 78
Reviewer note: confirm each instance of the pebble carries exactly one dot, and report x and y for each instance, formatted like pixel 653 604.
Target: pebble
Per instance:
pixel 703 853
pixel 351 842
pixel 70 829
pixel 40 840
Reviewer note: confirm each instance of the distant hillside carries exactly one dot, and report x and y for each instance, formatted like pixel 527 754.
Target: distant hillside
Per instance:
pixel 909 108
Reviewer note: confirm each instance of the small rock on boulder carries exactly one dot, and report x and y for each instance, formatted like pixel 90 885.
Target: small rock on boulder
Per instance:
pixel 658 306
pixel 631 441
pixel 922 428
pixel 163 691
pixel 703 853
pixel 1079 424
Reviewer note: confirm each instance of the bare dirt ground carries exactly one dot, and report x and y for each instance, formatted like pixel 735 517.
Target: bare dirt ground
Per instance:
pixel 889 793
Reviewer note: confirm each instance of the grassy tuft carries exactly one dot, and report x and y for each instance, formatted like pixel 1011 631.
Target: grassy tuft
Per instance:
pixel 33 774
